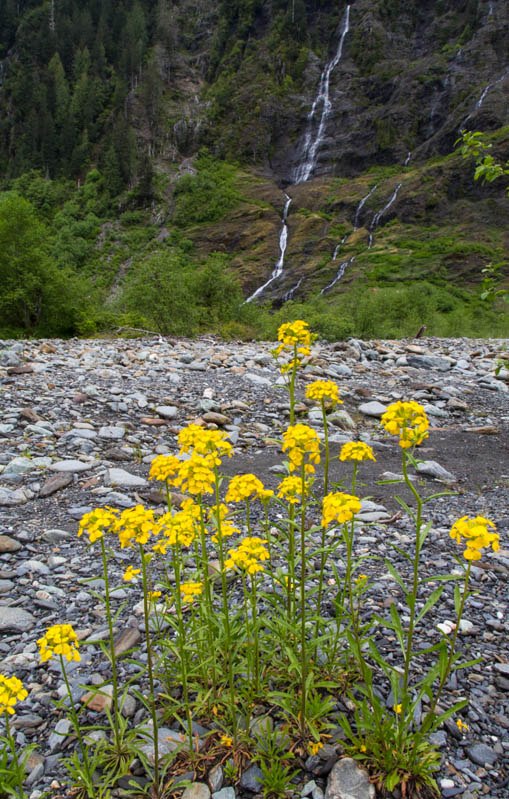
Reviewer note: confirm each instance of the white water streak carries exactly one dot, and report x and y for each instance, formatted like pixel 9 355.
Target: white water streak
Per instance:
pixel 313 141
pixel 278 269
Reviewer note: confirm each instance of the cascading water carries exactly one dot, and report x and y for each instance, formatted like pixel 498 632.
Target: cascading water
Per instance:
pixel 314 135
pixel 345 264
pixel 341 271
pixel 283 238
pixel 481 99
pixel 312 141
pixel 379 214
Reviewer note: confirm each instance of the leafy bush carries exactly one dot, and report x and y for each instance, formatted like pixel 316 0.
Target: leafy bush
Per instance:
pixel 206 196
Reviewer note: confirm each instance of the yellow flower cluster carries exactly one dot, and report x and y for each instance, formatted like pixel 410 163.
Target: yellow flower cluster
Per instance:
pixel 476 535
pixel 248 555
pixel 356 451
pixel 408 420
pixel 130 573
pixel 135 526
pixel 219 519
pixel 244 486
pixel 295 339
pixel 209 443
pixel 339 507
pixel 314 747
pixel 322 390
pixel 190 590
pixel 462 727
pixel 291 489
pixel 60 639
pixel 97 522
pixel 195 475
pixel 177 528
pixel 163 467
pixel 11 691
pixel 225 740
pixel 301 440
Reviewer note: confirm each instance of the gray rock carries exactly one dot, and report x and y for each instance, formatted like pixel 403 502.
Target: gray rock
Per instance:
pixel 15 619
pixel 56 536
pixel 257 379
pixel 10 498
pixel 55 483
pixel 373 408
pixel 112 433
pixel 216 778
pixel 19 465
pixel 167 411
pixel 71 466
pixel 481 755
pixel 198 790
pixel 56 739
pixel 115 476
pixel 433 469
pixel 6 586
pixel 224 793
pixel 252 779
pixel 8 544
pixel 347 780
pixel 429 362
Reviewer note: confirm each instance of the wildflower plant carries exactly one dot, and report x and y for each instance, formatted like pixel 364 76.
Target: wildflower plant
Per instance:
pixel 11 773
pixel 212 659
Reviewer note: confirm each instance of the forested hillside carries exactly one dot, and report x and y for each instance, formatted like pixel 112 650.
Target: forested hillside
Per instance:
pixel 162 161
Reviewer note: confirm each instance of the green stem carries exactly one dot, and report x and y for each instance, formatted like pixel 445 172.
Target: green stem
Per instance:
pixel 77 731
pixel 150 671
pixel 182 645
pixel 12 744
pixel 411 599
pixel 303 711
pixel 248 630
pixel 208 596
pixel 255 634
pixel 323 556
pixel 226 615
pixel 114 674
pixel 428 720
pixel 292 385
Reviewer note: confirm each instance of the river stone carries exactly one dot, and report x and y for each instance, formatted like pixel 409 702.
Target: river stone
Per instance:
pixel 8 544
pixel 198 790
pixel 167 411
pixel 115 476
pixel 55 536
pixel 481 754
pixel 433 469
pixel 19 465
pixel 6 586
pixel 55 483
pixel 10 498
pixel 15 619
pixel 70 466
pixel 224 793
pixel 252 779
pixel 126 640
pixel 348 781
pixel 429 362
pixel 373 408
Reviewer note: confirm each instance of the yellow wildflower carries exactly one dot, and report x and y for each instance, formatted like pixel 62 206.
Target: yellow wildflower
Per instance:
pixel 356 451
pixel 60 639
pixel 297 332
pixel 314 747
pixel 130 573
pixel 462 727
pixel 97 522
pixel 408 420
pixel 223 525
pixel 291 489
pixel 397 708
pixel 135 526
pixel 11 691
pixel 243 486
pixel 195 475
pixel 153 595
pixel 362 748
pixel 177 528
pixel 247 555
pixel 163 467
pixel 300 440
pixel 339 507
pixel 225 740
pixel 476 534
pixel 209 443
pixel 322 390
pixel 190 590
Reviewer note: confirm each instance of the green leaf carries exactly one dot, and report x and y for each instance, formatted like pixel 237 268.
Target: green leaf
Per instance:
pixel 457 599
pixel 405 506
pixel 392 569
pixel 430 602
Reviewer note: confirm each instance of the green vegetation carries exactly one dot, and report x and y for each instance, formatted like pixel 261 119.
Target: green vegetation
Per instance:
pixel 208 195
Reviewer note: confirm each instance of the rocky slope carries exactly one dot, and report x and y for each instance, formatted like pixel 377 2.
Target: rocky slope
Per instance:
pixel 81 422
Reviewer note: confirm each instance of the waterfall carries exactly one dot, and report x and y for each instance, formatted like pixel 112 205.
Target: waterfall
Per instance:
pixel 341 271
pixel 360 207
pixel 407 159
pixel 379 214
pixel 278 269
pixel 314 135
pixel 483 96
pixel 289 294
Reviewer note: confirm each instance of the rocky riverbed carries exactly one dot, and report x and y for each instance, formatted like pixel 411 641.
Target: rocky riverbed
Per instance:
pixel 81 422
